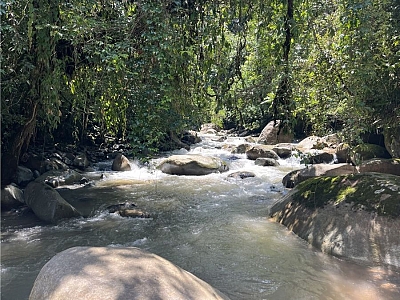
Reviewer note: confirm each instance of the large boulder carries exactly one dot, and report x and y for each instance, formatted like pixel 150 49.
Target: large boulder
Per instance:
pixel 111 273
pixel 192 165
pixel 327 143
pixel 269 135
pixel 259 151
pixel 120 163
pixel 392 141
pixel 47 204
pixel 385 166
pixel 353 216
pixel 11 197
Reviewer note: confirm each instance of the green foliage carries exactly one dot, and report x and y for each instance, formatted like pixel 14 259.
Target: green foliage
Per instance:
pixel 139 70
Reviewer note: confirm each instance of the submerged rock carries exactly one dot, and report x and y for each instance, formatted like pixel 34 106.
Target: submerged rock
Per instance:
pixel 192 165
pixel 11 197
pixel 93 273
pixel 127 210
pixel 355 216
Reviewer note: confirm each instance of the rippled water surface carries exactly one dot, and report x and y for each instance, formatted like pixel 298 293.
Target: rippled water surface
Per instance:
pixel 213 226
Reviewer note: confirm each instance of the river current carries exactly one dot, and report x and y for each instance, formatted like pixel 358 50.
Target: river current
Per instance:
pixel 212 226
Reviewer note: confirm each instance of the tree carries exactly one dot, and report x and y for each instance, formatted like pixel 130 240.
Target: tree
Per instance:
pixel 30 76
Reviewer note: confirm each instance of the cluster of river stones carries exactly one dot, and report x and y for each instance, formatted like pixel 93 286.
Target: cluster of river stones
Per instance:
pixel 356 214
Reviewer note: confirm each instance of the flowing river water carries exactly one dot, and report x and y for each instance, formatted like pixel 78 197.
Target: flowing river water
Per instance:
pixel 213 226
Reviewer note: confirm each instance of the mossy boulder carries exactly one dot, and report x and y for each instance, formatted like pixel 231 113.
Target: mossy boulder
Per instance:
pixel 365 152
pixel 356 216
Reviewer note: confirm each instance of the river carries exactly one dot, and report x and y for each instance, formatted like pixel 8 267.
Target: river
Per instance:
pixel 213 226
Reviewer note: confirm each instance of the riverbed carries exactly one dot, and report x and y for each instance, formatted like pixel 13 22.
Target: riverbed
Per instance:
pixel 212 226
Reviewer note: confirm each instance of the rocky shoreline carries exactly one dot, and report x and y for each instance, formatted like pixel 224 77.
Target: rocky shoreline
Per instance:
pixel 327 205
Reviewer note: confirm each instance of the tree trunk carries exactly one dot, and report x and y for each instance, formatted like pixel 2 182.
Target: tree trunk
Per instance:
pixel 19 144
pixel 282 100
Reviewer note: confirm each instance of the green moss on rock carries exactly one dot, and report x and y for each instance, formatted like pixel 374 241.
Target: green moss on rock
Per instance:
pixel 370 191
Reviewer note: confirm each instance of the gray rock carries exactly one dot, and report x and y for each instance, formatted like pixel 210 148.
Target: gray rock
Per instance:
pixel 258 151
pixel 57 178
pixel 352 216
pixel 11 197
pixel 24 176
pixel 93 273
pixel 320 157
pixel 266 162
pixel 241 175
pixel 81 161
pixel 240 149
pixel 283 150
pixel 269 135
pixel 47 204
pixel 192 165
pixel 121 163
pixel 295 177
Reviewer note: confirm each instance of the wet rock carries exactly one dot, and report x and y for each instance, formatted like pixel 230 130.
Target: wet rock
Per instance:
pixel 127 210
pixel 12 197
pixel 57 178
pixel 81 161
pixel 47 204
pixel 261 151
pixel 192 165
pixel 240 149
pixel 241 175
pixel 190 138
pixel 121 163
pixel 283 150
pixel 266 162
pixel 93 273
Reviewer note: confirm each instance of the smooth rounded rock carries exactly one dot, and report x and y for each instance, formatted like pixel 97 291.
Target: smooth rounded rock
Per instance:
pixel 110 273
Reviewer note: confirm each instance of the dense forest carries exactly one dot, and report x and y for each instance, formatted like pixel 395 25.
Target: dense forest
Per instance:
pixel 82 71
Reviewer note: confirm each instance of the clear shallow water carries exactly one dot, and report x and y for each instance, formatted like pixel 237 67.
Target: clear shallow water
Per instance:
pixel 215 227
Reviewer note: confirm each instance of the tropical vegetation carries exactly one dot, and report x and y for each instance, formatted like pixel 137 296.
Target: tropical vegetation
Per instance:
pixel 82 71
